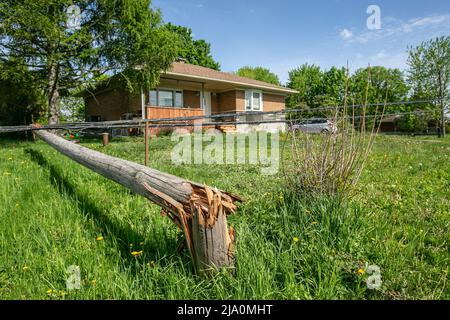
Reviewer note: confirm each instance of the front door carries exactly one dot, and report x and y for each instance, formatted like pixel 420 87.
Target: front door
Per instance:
pixel 207 103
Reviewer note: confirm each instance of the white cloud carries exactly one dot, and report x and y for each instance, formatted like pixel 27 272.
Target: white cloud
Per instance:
pixel 428 21
pixel 386 58
pixel 380 55
pixel 394 28
pixel 346 34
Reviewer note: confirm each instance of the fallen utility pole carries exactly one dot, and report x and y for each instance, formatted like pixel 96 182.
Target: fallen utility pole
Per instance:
pixel 200 211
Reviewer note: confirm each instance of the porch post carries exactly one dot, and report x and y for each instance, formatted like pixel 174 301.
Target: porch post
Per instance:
pixel 143 103
pixel 144 117
pixel 203 96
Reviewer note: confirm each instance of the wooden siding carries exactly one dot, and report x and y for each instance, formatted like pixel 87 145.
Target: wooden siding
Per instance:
pixel 170 112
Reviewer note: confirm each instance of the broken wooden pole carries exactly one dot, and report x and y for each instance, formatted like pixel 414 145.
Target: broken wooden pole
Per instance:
pixel 200 211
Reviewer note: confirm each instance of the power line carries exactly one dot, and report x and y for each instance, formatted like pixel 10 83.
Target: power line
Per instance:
pixel 141 124
pixel 226 115
pixel 162 122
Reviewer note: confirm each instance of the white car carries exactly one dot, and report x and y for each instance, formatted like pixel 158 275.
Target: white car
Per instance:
pixel 315 126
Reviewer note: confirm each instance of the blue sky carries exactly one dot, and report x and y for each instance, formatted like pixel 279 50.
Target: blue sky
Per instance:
pixel 282 35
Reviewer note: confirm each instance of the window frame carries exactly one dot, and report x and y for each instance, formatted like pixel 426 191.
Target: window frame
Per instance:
pixel 174 96
pixel 251 92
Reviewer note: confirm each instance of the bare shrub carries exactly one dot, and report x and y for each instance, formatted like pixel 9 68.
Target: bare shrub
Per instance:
pixel 331 163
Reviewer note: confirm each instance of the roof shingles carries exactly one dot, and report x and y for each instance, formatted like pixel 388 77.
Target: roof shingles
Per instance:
pixel 198 71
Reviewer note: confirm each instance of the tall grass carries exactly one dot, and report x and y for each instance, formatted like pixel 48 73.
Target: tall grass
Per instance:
pixel 52 211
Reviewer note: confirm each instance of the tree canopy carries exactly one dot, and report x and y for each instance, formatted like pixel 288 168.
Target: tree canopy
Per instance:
pixel 196 52
pixel 380 83
pixel 315 86
pixel 21 100
pixel 259 73
pixel 330 87
pixel 69 43
pixel 429 68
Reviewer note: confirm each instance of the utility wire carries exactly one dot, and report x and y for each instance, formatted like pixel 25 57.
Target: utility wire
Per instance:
pixel 141 124
pixel 229 115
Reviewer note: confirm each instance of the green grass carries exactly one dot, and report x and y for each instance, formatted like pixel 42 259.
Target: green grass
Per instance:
pixel 52 210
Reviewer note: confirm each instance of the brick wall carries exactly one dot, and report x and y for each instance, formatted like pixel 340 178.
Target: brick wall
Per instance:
pixel 215 107
pixel 240 100
pixel 226 101
pixel 111 105
pixel 273 102
pixel 191 99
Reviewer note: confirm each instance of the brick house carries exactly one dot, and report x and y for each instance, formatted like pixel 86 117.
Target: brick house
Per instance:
pixel 189 90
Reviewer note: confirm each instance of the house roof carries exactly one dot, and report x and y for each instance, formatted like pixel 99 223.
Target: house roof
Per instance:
pixel 190 72
pixel 390 118
pixel 201 74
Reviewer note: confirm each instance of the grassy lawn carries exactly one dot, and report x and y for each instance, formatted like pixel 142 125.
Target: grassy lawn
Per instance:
pixel 55 213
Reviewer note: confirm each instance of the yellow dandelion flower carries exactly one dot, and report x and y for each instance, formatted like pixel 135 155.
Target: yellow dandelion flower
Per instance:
pixel 49 291
pixel 6 173
pixel 295 239
pixel 136 253
pixel 25 268
pixel 10 159
pixel 361 271
pixel 314 222
pixel 99 238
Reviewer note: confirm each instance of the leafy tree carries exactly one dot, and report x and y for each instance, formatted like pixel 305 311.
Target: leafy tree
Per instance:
pixel 73 109
pixel 21 100
pixel 334 86
pixel 317 88
pixel 259 73
pixel 70 43
pixel 307 79
pixel 377 85
pixel 196 52
pixel 429 71
pixel 412 123
pixel 378 82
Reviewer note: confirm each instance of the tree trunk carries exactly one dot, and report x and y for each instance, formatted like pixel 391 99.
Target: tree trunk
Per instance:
pixel 53 93
pixel 200 211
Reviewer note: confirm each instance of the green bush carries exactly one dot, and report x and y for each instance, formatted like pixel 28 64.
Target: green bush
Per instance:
pixel 412 123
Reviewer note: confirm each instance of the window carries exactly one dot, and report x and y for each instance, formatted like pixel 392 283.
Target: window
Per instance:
pixel 248 100
pixel 178 99
pixel 166 98
pixel 253 100
pixel 153 98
